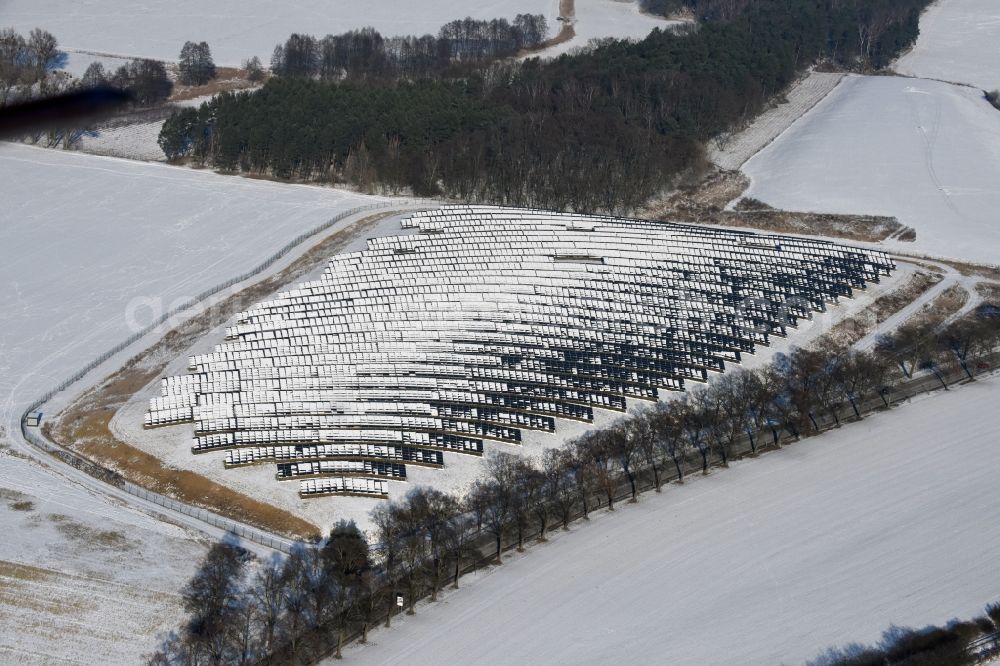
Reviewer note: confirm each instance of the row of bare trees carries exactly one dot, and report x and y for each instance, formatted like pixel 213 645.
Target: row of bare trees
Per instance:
pixel 307 606
pixel 26 63
pixel 366 54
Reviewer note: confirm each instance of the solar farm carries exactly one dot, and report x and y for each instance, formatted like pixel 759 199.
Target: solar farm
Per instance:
pixel 484 325
pixel 762 393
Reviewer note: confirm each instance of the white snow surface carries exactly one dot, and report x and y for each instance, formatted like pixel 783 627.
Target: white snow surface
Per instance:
pixel 924 151
pixel 826 542
pixel 77 62
pixel 90 247
pixel 105 581
pixel 958 42
pixel 238 29
pixel 138 141
pixel 729 152
pixel 598 19
pixel 94 248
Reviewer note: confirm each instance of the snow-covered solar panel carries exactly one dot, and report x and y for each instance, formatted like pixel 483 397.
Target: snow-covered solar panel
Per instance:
pixel 486 322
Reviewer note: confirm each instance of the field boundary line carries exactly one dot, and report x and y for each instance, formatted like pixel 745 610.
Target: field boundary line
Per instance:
pixel 110 477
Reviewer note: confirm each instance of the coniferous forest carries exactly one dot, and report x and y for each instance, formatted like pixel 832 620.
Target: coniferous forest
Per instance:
pixel 602 130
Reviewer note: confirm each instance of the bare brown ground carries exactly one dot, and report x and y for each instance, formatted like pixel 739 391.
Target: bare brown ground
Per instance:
pixel 704 202
pixel 84 426
pixel 848 331
pixel 976 270
pixel 227 79
pixel 989 292
pixel 23 571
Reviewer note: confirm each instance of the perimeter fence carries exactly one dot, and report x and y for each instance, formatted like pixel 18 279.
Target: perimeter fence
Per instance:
pixel 116 479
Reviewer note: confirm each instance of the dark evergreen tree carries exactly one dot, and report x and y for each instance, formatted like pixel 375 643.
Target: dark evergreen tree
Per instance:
pixel 604 130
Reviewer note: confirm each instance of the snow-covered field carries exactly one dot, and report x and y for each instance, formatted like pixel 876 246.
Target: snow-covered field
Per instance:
pixel 93 248
pixel 618 19
pixel 81 578
pixel 958 42
pixel 829 541
pixel 731 151
pixel 923 151
pixel 89 248
pixel 235 29
pixel 134 142
pixel 77 62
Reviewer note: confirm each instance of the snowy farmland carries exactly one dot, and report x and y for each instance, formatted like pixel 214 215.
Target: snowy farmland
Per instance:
pixel 81 577
pixel 923 151
pixel 599 19
pixel 135 142
pixel 826 542
pixel 958 42
pixel 731 151
pixel 237 30
pixel 92 246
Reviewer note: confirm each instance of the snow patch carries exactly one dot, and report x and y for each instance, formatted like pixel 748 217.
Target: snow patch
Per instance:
pixel 873 147
pixel 826 542
pixel 958 42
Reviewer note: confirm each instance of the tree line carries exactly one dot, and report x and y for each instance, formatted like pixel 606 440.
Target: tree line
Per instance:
pixel 602 130
pixel 458 47
pixel 32 67
pixel 959 643
pixel 308 605
pixel 26 64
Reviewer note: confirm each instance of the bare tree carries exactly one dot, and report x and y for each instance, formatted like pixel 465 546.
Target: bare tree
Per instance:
pixel 254 69
pixel 212 599
pixel 196 67
pixel 783 411
pixel 908 347
pixel 559 489
pixel 268 595
pixel 495 493
pixel 694 427
pixel 388 533
pixel 11 68
pixel 305 595
pixel 534 484
pixel 458 540
pixel 970 340
pixel 372 594
pixel 581 468
pixel 434 511
pixel 643 433
pixel 667 424
pixel 523 494
pixel 624 442
pixel 346 558
pixel 855 376
pixel 42 48
pixel 600 452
